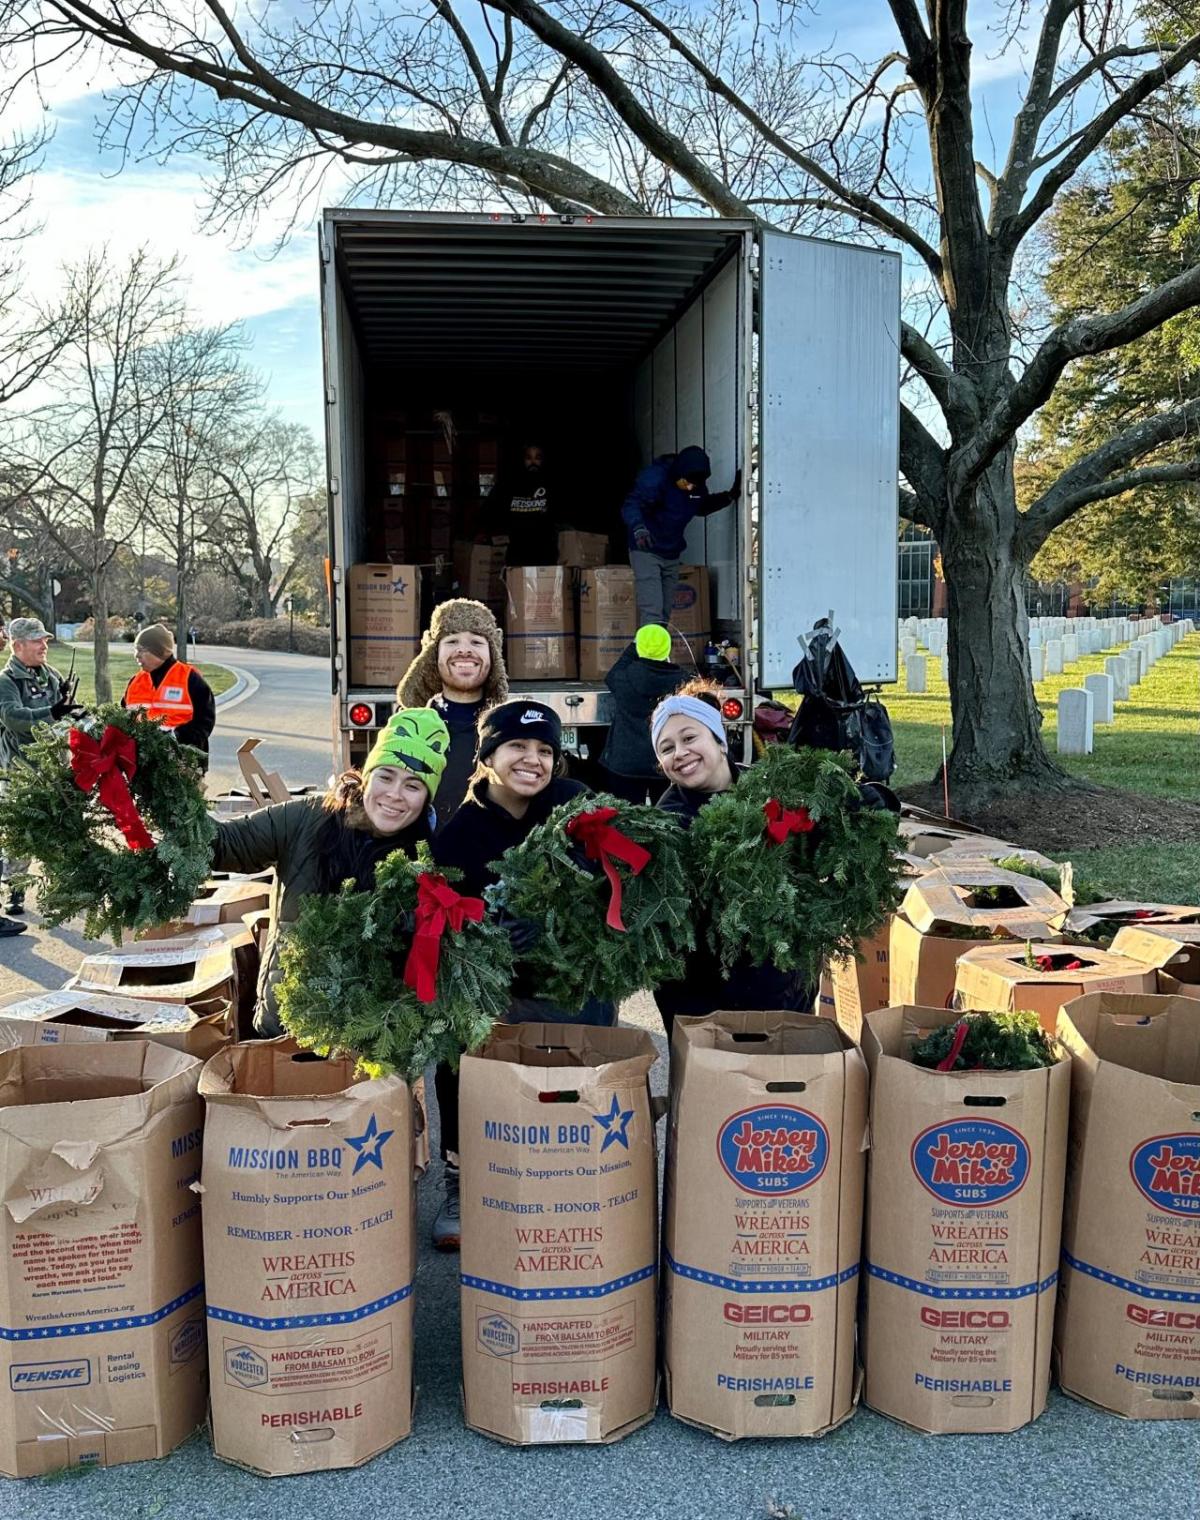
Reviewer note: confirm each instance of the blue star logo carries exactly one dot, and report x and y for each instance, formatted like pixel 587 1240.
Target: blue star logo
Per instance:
pixel 369 1145
pixel 615 1123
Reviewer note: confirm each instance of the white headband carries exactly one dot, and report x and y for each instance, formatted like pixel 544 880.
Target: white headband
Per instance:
pixel 687 707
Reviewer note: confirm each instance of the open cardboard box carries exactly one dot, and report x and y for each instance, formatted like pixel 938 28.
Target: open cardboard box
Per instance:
pixel 1117 915
pixel 239 938
pixel 197 972
pixel 72 1016
pixel 999 977
pixel 1171 949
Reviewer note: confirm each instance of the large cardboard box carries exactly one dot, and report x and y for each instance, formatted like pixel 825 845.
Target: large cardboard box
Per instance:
pixel 559 1233
pixel 226 902
pixel 102 1358
pixel 479 571
pixel 861 984
pixel 540 635
pixel 999 977
pixel 958 908
pixel 196 970
pixel 582 550
pixel 66 1017
pixel 691 611
pixel 763 1223
pixel 239 938
pixel 309 1258
pixel 928 834
pixel 383 606
pixel 1128 1331
pixel 1173 949
pixel 1107 918
pixel 607 619
pixel 964 1210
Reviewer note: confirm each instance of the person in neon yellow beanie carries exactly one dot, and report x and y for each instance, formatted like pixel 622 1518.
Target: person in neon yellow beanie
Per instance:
pixel 315 844
pixel 640 679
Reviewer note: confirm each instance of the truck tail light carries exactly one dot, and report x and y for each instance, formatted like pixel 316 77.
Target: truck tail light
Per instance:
pixel 361 715
pixel 732 709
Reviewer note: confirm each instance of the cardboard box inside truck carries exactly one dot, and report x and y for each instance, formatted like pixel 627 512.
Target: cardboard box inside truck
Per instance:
pixel 309 1258
pixel 964 1208
pixel 763 1222
pixel 1127 1335
pixel 559 1234
pixel 607 619
pixel 582 550
pixel 103 1354
pixel 539 642
pixel 383 604
pixel 999 977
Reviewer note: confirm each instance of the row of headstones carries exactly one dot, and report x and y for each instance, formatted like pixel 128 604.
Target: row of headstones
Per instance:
pixel 1080 709
pixel 1054 643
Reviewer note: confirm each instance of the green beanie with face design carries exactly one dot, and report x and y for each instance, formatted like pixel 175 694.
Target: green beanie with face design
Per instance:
pixel 416 739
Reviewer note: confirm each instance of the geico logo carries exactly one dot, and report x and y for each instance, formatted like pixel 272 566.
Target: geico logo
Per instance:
pixel 768 1314
pixel 966 1319
pixel 1173 1319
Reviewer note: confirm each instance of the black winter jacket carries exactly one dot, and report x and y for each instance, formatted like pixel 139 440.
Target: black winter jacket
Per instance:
pixel 462 720
pixel 639 686
pixel 195 733
pixel 481 831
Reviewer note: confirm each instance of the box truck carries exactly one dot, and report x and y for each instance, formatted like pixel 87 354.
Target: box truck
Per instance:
pixel 452 338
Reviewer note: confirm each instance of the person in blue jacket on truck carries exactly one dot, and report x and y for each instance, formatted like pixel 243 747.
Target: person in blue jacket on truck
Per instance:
pixel 664 498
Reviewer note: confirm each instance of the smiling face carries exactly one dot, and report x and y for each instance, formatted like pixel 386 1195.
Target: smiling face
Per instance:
pixel 31 652
pixel 464 664
pixel 521 768
pixel 691 757
pixel 393 798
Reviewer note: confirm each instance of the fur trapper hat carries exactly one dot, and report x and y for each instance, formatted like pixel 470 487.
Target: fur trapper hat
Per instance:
pixel 420 682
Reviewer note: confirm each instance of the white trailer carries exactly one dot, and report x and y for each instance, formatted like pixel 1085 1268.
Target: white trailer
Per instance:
pixel 778 354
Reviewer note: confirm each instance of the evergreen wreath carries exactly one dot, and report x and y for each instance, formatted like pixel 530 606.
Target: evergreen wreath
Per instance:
pixel 987 1042
pixel 557 881
pixel 789 868
pixel 87 866
pixel 344 963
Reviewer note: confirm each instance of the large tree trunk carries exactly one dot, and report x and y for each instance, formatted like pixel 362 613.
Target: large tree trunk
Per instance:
pixel 997 723
pixel 100 637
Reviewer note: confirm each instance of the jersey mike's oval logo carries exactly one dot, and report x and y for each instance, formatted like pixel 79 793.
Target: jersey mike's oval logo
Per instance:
pixel 971 1162
pixel 1166 1170
pixel 773 1149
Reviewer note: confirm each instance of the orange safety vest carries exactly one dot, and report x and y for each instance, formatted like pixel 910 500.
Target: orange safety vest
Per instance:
pixel 171 703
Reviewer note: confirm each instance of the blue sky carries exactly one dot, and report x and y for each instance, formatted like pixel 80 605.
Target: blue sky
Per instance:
pixel 81 200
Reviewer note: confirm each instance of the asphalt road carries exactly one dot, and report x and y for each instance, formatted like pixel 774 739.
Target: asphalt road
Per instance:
pixel 1074 1463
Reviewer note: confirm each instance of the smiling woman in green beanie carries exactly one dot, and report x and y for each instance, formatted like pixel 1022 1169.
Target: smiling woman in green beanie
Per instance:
pixel 316 843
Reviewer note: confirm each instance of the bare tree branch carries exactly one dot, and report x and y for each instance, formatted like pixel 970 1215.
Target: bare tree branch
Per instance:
pixel 922 462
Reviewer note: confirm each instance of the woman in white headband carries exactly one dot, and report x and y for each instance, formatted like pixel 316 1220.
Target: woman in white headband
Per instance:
pixel 690 745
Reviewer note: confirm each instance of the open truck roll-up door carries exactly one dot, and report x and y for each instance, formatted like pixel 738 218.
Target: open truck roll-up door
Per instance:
pixel 829 420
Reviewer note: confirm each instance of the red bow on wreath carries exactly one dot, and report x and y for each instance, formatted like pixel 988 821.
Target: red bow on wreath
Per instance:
pixel 1046 963
pixel 439 907
pixel 107 767
pixel 783 821
pixel 600 841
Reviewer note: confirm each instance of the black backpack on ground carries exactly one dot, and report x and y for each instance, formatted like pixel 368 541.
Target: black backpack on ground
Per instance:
pixel 835 713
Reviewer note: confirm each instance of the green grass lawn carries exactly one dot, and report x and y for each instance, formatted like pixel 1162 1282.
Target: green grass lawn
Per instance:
pixel 1153 747
pixel 121 666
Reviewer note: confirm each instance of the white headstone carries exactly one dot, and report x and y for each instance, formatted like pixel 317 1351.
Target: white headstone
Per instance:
pixel 1117 666
pixel 1054 657
pixel 914 672
pixel 1074 722
pixel 1036 638
pixel 1070 648
pixel 944 662
pixel 908 645
pixel 1134 658
pixel 1101 688
pixel 1037 662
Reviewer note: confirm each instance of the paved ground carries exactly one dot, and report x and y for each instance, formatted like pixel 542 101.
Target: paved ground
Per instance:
pixel 1074 1464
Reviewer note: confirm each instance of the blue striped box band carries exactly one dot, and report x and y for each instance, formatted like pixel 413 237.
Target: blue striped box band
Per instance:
pixel 102 1326
pixel 309 1321
pixel 931 1290
pixel 776 1285
pixel 1126 1285
pixel 546 1295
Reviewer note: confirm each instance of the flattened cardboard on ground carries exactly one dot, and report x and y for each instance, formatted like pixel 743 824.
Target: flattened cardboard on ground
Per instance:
pixel 101 1293
pixel 926 834
pixel 964 1209
pixel 998 978
pixel 990 851
pixel 861 985
pixel 309 1253
pixel 763 1222
pixel 1173 949
pixel 559 1234
pixel 63 1018
pixel 197 971
pixel 1128 1333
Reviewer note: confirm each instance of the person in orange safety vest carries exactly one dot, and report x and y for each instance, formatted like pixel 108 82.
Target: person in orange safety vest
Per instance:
pixel 170 691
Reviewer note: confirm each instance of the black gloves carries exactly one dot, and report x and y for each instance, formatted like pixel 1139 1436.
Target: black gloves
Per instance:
pixel 735 490
pixel 65 708
pixel 642 539
pixel 523 933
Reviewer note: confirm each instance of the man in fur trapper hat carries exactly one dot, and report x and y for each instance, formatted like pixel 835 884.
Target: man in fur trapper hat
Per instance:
pixel 459 672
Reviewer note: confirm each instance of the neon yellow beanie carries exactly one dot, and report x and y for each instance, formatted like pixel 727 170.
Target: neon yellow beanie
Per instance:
pixel 415 738
pixel 653 642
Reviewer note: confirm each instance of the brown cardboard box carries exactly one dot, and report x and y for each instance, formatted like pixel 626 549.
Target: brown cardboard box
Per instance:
pixel 383 604
pixel 195 970
pixel 264 786
pixel 691 614
pixel 1128 1333
pixel 825 1006
pixel 964 1208
pixel 607 619
pixel 540 636
pixel 582 550
pixel 102 1359
pixel 1172 949
pixel 1113 916
pixel 923 965
pixel 66 1017
pixel 226 902
pixel 861 986
pixel 309 1259
pixel 479 571
pixel 763 1223
pixel 925 833
pixel 559 1234
pixel 240 940
pixel 999 977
